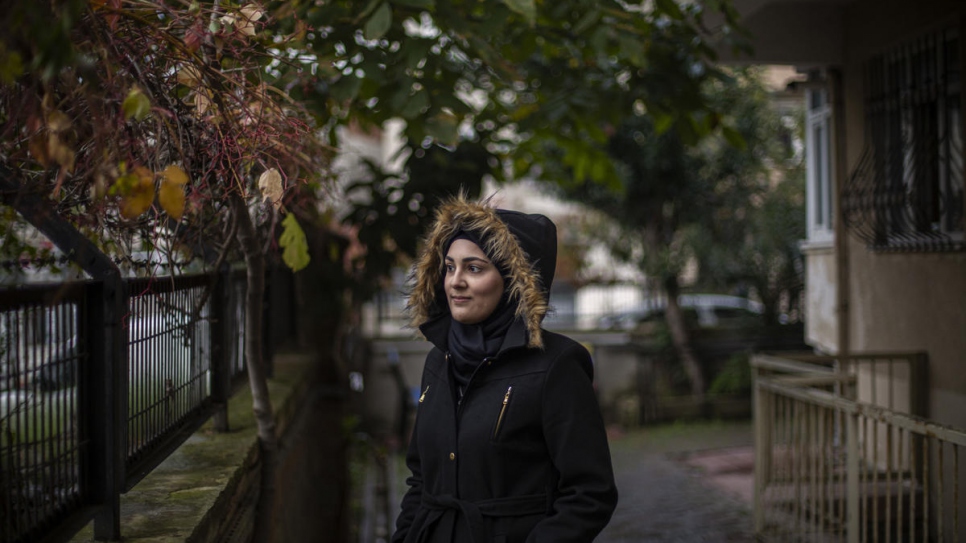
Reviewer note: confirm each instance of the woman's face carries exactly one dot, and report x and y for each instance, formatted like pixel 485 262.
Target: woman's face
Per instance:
pixel 473 284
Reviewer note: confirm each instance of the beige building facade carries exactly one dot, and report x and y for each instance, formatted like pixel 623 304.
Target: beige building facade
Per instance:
pixel 885 254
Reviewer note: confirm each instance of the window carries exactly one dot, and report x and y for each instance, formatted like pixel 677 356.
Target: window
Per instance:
pixel 818 165
pixel 907 191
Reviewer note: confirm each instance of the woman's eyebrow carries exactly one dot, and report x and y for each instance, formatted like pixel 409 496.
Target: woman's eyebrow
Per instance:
pixel 469 259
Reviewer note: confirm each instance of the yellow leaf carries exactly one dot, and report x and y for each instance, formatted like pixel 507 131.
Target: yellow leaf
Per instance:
pixel 249 14
pixel 270 183
pixel 202 102
pixel 171 191
pixel 57 121
pixel 296 249
pixel 60 152
pixel 174 174
pixel 38 148
pixel 136 105
pixel 189 76
pixel 171 197
pixel 139 194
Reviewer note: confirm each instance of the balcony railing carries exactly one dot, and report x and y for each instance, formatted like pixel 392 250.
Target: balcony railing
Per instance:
pixel 844 453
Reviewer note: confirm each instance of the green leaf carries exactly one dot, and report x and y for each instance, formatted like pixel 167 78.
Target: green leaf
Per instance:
pixel 589 19
pixel 415 50
pixel 400 97
pixel 346 88
pixel 11 66
pixel 733 137
pixel 136 105
pixel 527 8
pixel 377 25
pixel 443 128
pixel 418 4
pixel 416 105
pixel 292 240
pixel 671 9
pixel 662 122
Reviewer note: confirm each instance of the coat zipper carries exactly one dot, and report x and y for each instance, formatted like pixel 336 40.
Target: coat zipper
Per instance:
pixel 423 395
pixel 459 400
pixel 506 401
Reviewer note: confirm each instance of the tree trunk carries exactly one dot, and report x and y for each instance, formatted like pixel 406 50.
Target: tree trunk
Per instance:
pixel 681 339
pixel 261 403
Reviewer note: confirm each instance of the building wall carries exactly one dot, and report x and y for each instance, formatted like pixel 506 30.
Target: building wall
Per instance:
pixel 903 301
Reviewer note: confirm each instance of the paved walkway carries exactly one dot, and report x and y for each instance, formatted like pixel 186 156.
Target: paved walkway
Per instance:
pixel 683 483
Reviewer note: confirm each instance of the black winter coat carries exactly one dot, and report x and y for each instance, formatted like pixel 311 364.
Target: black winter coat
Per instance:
pixel 522 457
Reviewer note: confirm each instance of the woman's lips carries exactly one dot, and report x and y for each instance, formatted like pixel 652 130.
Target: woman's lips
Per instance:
pixel 459 299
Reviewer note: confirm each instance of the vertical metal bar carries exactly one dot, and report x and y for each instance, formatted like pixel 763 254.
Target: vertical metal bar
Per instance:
pixel 865 476
pixel 875 480
pixel 42 436
pixel 940 491
pixel 842 497
pixel 797 467
pixel 889 524
pixel 814 465
pixel 903 475
pixel 917 485
pixel 956 493
pixel 781 473
pixel 828 469
pixel 852 476
pixel 107 432
pixel 759 415
pixel 925 489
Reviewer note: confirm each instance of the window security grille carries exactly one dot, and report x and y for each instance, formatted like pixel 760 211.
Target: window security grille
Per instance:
pixel 906 194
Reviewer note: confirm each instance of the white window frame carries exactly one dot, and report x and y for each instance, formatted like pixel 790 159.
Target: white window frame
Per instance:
pixel 818 166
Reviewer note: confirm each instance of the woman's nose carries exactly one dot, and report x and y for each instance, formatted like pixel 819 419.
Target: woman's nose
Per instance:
pixel 456 279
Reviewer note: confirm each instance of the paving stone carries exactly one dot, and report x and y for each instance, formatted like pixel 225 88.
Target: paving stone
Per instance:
pixel 665 499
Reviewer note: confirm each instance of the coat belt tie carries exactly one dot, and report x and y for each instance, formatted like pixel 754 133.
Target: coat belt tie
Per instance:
pixel 473 512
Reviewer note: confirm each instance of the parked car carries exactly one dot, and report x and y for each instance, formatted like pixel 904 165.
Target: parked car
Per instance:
pixel 703 310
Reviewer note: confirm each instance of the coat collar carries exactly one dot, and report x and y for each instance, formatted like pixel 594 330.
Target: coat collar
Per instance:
pixel 436 330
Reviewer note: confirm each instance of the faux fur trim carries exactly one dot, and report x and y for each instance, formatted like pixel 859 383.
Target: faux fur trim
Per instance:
pixel 458 213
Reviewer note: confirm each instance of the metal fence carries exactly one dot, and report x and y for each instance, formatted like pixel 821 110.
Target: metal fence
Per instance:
pixel 42 441
pixel 843 455
pixel 84 413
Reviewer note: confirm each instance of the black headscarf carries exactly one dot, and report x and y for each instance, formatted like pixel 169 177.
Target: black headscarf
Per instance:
pixel 470 344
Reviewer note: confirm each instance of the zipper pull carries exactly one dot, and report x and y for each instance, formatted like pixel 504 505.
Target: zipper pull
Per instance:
pixel 423 395
pixel 506 401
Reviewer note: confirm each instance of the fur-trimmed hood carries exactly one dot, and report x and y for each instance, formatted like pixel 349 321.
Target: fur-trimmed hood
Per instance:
pixel 523 245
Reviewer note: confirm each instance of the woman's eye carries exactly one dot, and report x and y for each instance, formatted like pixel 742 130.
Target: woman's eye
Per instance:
pixel 475 269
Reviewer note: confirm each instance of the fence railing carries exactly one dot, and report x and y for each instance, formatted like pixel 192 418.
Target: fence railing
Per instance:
pixel 69 399
pixel 843 453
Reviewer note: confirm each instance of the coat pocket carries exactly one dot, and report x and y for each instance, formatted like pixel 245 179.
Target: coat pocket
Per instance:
pixel 503 409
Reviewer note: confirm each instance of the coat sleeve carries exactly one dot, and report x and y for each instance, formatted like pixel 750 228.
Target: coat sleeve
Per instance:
pixel 577 442
pixel 413 496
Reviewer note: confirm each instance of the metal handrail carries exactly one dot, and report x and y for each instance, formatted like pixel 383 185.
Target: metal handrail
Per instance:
pixel 830 465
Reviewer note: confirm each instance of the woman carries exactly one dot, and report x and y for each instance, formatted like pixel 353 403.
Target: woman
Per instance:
pixel 509 444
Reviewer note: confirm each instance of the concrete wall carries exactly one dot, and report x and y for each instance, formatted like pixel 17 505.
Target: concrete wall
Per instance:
pixel 626 379
pixel 616 375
